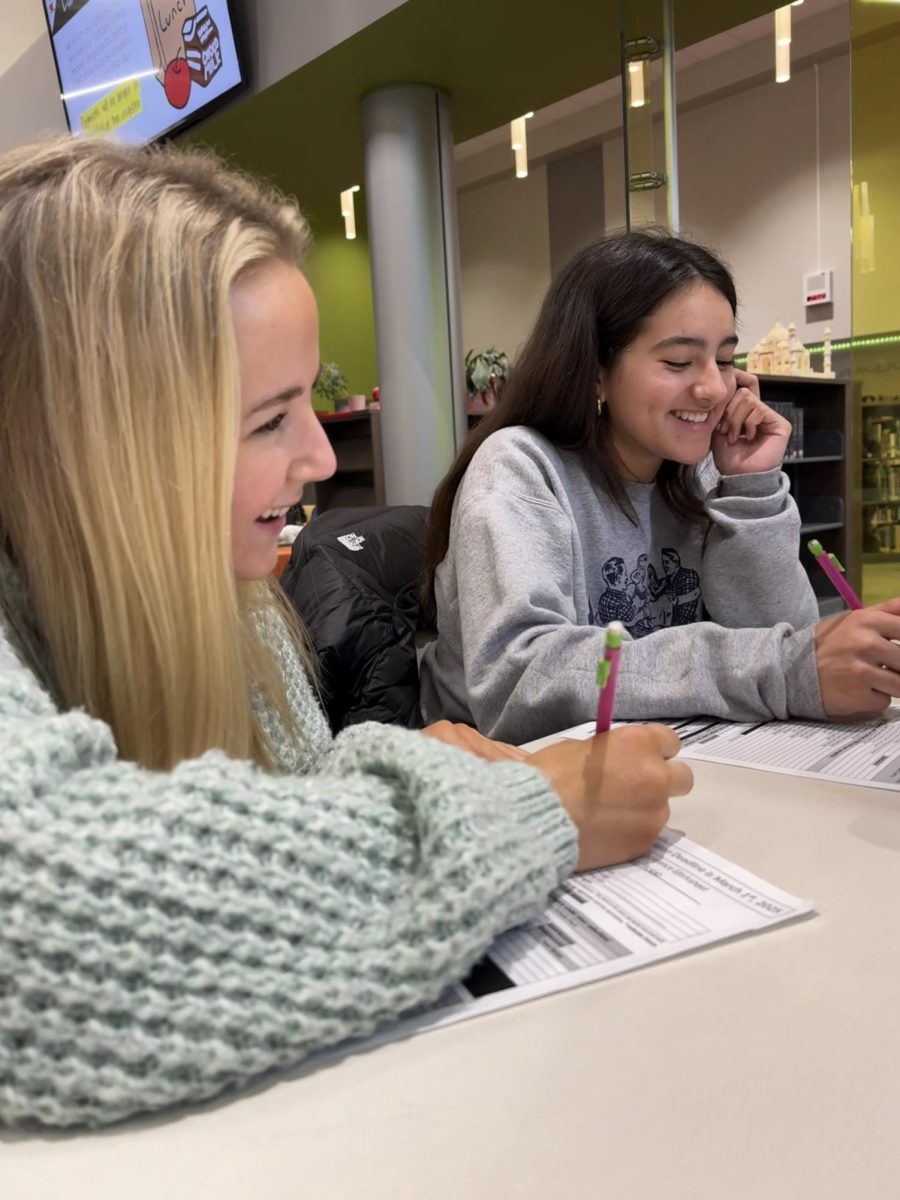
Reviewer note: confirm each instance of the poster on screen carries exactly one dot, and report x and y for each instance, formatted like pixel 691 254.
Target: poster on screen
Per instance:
pixel 139 69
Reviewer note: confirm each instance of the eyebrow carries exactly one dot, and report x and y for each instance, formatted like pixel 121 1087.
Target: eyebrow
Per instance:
pixel 696 343
pixel 280 398
pixel 283 397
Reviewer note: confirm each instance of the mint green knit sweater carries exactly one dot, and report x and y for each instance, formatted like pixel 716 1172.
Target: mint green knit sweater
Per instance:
pixel 165 937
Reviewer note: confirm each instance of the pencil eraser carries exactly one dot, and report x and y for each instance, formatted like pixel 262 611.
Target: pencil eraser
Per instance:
pixel 615 632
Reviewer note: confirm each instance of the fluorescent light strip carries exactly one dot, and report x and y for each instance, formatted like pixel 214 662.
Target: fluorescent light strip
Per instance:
pixel 348 211
pixel 637 91
pixel 519 142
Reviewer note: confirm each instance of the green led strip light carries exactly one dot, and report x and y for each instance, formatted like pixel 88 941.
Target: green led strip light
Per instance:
pixel 887 339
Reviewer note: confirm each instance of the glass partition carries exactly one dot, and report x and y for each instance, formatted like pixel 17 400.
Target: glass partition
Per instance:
pixel 648 83
pixel 874 352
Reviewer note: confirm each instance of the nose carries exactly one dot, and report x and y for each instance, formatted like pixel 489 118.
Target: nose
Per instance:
pixel 313 457
pixel 712 387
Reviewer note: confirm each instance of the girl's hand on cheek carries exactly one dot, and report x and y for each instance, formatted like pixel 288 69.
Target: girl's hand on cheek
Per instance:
pixel 749 437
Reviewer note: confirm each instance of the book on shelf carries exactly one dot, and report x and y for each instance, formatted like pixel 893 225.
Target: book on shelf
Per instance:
pixel 881 478
pixel 883 481
pixel 885 514
pixel 881 437
pixel 794 413
pixel 886 538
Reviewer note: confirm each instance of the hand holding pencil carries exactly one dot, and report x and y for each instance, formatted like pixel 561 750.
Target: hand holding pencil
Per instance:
pixel 857 653
pixel 616 786
pixel 858 660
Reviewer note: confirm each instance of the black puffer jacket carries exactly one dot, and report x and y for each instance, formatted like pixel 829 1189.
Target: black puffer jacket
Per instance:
pixel 353 576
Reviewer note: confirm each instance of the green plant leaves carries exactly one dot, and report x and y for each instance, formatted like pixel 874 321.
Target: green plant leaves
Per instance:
pixel 485 366
pixel 331 385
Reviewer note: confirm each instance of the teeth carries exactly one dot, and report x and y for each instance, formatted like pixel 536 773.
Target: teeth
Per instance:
pixel 695 418
pixel 273 512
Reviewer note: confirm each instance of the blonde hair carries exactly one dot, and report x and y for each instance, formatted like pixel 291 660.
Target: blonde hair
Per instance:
pixel 119 409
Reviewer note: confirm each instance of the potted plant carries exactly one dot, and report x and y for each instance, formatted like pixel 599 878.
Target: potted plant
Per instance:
pixel 331 387
pixel 485 374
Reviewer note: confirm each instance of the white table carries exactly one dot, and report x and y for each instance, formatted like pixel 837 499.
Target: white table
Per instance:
pixel 767 1068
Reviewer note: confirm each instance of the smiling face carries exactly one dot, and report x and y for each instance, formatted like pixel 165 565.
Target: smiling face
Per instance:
pixel 668 388
pixel 281 442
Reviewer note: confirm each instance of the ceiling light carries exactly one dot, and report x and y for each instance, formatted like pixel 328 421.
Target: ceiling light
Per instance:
pixel 783 44
pixel 348 212
pixel 519 142
pixel 637 97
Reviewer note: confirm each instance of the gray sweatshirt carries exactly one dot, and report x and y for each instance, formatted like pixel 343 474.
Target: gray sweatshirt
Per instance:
pixel 719 621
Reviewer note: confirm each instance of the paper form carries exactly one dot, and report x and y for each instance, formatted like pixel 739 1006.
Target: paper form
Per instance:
pixel 865 752
pixel 675 898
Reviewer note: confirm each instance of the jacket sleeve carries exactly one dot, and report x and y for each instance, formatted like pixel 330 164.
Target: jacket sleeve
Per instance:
pixel 167 936
pixel 752 574
pixel 531 669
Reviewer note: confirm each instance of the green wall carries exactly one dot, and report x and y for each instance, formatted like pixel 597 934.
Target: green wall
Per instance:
pixel 875 115
pixel 338 271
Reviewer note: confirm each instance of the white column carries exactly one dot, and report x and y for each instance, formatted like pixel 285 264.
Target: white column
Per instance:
pixel 410 200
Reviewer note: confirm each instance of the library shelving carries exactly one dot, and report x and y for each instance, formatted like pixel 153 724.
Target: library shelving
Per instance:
pixel 359 478
pixel 881 478
pixel 819 466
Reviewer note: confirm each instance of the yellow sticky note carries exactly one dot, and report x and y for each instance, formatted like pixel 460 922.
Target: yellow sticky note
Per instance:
pixel 113 109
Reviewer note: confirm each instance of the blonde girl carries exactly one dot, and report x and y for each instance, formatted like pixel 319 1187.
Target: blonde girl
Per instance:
pixel 198 884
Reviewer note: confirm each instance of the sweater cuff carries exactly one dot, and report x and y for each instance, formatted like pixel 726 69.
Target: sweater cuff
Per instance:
pixel 541 814
pixel 803 694
pixel 757 483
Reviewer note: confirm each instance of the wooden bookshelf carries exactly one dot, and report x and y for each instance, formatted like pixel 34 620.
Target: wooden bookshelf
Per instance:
pixel 359 478
pixel 821 470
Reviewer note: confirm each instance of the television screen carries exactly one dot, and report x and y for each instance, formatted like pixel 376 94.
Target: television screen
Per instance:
pixel 138 69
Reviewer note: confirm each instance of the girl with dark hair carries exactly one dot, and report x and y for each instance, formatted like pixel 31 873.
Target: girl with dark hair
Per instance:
pixel 631 472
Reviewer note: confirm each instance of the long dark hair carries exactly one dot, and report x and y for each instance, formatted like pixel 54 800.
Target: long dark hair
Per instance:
pixel 594 309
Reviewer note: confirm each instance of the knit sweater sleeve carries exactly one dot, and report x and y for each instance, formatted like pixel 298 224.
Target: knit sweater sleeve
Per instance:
pixel 168 936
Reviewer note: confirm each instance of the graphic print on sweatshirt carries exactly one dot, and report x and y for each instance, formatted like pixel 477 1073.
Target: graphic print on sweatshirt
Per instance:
pixel 645 600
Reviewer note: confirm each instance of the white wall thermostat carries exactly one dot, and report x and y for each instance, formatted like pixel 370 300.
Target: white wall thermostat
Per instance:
pixel 817 287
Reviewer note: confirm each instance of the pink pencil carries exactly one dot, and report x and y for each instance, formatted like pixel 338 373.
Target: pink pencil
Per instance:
pixel 607 669
pixel 835 572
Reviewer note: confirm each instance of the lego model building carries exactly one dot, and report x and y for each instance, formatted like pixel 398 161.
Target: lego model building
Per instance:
pixel 782 353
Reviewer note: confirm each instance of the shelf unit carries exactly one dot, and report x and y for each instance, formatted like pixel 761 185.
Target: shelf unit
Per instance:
pixel 822 477
pixel 359 478
pixel 880 421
